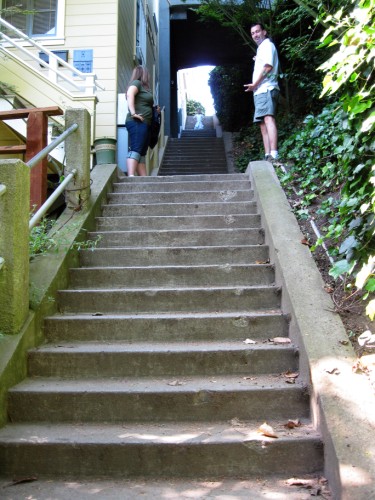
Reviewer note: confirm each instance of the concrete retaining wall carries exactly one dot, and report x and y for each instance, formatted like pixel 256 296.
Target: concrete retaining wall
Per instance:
pixel 343 403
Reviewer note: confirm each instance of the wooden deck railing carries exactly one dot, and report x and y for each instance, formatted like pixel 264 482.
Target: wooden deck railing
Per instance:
pixel 36 140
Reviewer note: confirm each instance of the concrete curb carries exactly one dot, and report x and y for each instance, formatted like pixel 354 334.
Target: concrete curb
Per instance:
pixel 343 403
pixel 47 275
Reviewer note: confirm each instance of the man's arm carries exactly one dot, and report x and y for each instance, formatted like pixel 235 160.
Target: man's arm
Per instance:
pixel 267 68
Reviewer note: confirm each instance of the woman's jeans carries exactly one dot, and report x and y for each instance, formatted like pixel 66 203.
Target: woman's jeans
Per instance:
pixel 138 139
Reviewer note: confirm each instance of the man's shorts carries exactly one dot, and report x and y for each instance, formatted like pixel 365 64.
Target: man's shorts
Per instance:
pixel 265 104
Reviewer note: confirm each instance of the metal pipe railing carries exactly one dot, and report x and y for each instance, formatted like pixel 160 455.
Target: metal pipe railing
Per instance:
pixel 42 154
pixel 48 203
pixel 36 159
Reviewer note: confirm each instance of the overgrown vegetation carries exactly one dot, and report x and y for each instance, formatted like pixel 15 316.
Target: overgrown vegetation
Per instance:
pixel 327 57
pixel 42 239
pixel 335 149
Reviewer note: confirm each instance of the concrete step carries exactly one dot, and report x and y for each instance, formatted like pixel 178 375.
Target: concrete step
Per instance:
pixel 182 197
pixel 148 222
pixel 168 276
pixel 177 256
pixel 260 487
pixel 177 238
pixel 179 209
pixel 182 178
pixel 97 360
pixel 194 450
pixel 191 170
pixel 157 399
pixel 154 299
pixel 191 186
pixel 167 327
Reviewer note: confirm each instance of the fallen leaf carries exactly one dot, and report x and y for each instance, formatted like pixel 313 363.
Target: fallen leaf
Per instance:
pixel 367 361
pixel 334 371
pixel 280 340
pixel 344 342
pixel 291 424
pixel 306 242
pixel 23 480
pixel 249 341
pixel 366 339
pixel 306 483
pixel 290 381
pixel 328 289
pixel 262 261
pixel 289 374
pixel 267 430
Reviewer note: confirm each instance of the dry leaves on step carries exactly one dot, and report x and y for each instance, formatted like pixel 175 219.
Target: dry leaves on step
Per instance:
pixel 291 424
pixel 290 374
pixel 176 382
pixel 333 371
pixel 23 480
pixel 306 242
pixel 267 430
pixel 280 340
pixel 316 486
pixel 262 261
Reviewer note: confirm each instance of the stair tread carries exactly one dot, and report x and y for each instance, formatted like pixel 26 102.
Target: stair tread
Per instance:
pixel 160 385
pixel 237 315
pixel 188 433
pixel 264 486
pixel 158 347
pixel 168 288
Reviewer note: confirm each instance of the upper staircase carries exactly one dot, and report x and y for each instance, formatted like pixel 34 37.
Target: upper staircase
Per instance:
pixel 195 152
pixel 165 357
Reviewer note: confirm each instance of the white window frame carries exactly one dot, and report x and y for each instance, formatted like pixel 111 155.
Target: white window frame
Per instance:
pixel 59 37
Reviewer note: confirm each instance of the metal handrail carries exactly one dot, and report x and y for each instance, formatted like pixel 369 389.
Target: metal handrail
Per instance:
pixel 23 36
pixel 42 154
pixel 36 159
pixel 48 203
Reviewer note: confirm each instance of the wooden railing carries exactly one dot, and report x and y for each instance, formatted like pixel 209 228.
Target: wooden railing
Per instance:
pixel 36 141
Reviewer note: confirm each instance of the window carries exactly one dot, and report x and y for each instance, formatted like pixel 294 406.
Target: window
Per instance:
pixel 36 18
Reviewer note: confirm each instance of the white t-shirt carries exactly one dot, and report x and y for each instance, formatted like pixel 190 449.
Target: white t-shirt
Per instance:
pixel 266 54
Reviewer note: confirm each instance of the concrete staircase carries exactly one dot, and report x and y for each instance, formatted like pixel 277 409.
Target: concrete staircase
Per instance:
pixel 162 360
pixel 196 152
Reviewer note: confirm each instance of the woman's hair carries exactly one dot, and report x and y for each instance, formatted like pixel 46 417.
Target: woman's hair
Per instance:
pixel 141 73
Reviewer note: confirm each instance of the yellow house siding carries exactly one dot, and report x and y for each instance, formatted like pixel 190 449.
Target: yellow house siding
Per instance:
pixel 92 24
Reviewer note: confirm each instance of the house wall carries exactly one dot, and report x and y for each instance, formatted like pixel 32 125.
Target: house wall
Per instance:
pixel 92 24
pixel 109 29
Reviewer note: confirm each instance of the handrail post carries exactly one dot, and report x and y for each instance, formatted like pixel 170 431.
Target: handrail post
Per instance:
pixel 36 140
pixel 14 245
pixel 77 150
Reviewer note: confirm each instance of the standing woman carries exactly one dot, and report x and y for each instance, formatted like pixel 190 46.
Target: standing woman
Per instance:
pixel 138 120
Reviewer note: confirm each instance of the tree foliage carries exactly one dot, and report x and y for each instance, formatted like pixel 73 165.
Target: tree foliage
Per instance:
pixel 192 107
pixel 232 105
pixel 337 146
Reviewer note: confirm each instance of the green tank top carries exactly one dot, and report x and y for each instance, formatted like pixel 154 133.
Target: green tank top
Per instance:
pixel 143 103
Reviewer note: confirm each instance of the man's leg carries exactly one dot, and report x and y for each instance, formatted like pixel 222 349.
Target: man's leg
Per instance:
pixel 266 142
pixel 271 131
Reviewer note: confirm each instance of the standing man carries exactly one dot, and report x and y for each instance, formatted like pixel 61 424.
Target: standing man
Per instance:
pixel 266 89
